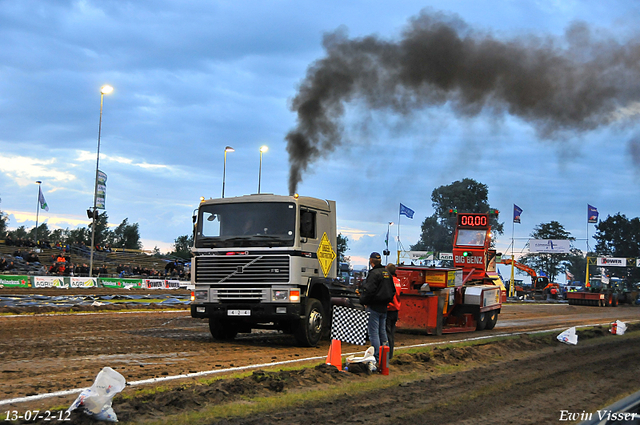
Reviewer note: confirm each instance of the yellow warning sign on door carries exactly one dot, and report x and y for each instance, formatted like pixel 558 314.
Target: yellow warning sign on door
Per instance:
pixel 326 254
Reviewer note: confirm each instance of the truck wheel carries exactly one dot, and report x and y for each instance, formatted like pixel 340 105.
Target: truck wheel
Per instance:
pixel 222 330
pixel 483 319
pixel 308 330
pixel 607 300
pixel 493 319
pixel 614 300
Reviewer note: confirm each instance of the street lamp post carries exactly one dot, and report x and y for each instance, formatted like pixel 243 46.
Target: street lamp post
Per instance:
pixel 106 89
pixel 224 169
pixel 37 213
pixel 262 150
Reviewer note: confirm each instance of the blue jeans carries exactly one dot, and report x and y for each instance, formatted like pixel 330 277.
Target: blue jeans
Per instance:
pixel 377 330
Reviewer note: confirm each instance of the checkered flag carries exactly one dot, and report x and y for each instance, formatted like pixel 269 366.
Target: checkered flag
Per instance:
pixel 349 325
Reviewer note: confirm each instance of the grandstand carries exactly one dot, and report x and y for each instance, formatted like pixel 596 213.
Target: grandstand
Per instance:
pixel 110 260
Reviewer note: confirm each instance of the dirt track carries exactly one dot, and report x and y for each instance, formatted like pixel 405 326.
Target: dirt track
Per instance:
pixel 45 353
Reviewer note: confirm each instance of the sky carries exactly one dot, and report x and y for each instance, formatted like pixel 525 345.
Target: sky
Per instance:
pixel 191 78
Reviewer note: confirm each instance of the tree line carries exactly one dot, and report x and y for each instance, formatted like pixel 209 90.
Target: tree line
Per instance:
pixel 125 235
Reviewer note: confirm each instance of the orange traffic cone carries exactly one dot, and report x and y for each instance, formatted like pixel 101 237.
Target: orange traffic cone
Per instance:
pixel 335 354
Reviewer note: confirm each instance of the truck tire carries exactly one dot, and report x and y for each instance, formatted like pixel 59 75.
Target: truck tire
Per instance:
pixel 222 330
pixel 614 300
pixel 493 319
pixel 482 319
pixel 608 298
pixel 308 330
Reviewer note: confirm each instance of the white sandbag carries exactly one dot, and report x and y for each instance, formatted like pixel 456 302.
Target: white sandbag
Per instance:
pixel 618 328
pixel 96 400
pixel 367 357
pixel 569 336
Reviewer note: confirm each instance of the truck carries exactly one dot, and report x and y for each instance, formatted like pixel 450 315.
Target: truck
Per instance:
pixel 266 261
pixel 464 298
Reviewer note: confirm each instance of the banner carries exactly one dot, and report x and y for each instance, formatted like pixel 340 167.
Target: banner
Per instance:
pixel 102 190
pixel 446 256
pixel 611 262
pixel 14 281
pixel 406 211
pixel 550 246
pixel 110 282
pixel 592 214
pixel 516 213
pixel 153 284
pixel 172 284
pixel 421 255
pixel 43 203
pixel 83 282
pixel 49 282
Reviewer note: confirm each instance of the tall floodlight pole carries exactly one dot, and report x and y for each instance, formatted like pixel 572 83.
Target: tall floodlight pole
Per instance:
pixel 262 150
pixel 37 213
pixel 106 89
pixel 224 168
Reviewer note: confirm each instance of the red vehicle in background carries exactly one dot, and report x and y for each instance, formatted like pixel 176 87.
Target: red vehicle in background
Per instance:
pixel 464 298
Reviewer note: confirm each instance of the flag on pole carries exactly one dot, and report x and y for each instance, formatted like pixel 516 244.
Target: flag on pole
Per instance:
pixel 516 213
pixel 406 211
pixel 386 240
pixel 592 214
pixel 43 203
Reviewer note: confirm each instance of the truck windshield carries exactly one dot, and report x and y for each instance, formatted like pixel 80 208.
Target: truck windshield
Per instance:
pixel 265 224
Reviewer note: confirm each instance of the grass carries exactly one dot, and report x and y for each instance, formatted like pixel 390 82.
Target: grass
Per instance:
pixel 261 405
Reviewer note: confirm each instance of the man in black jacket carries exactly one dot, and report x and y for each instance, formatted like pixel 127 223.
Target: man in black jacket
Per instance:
pixel 375 294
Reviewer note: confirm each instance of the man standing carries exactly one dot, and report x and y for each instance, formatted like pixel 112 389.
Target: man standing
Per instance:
pixel 377 291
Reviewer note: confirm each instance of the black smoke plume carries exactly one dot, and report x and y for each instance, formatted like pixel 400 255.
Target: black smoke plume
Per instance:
pixel 573 83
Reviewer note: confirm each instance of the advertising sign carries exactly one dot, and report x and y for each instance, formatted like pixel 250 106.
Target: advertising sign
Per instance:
pixel 101 194
pixel 109 282
pixel 14 281
pixel 153 283
pixel 612 262
pixel 83 282
pixel 172 284
pixel 550 246
pixel 49 282
pixel 421 255
pixel 446 256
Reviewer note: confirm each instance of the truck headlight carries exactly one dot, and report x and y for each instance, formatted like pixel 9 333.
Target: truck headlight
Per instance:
pixel 200 295
pixel 280 294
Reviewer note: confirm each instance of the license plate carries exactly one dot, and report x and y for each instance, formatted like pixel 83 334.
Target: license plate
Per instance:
pixel 238 312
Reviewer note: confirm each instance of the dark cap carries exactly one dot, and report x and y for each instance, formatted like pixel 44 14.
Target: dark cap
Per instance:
pixel 375 255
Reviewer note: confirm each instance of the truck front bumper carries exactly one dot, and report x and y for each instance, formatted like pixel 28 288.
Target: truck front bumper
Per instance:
pixel 271 312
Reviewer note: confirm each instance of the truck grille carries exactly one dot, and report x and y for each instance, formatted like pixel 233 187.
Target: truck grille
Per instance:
pixel 242 269
pixel 240 294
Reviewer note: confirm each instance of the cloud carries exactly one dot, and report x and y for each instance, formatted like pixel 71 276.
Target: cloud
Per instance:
pixel 57 221
pixel 88 156
pixel 26 170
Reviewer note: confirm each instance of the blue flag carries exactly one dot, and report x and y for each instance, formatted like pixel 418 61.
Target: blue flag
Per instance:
pixel 516 213
pixel 592 214
pixel 406 211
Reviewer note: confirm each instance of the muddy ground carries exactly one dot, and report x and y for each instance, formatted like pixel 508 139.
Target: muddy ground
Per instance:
pixel 524 380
